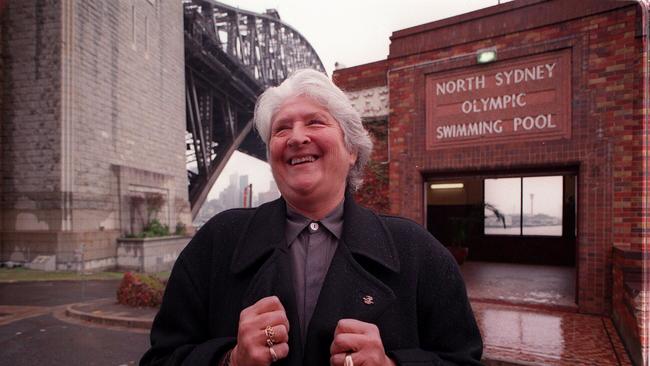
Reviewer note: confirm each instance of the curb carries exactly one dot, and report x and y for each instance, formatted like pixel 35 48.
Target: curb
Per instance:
pixel 487 361
pixel 137 323
pixel 530 305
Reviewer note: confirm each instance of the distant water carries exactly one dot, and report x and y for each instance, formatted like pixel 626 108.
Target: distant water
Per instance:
pixel 553 230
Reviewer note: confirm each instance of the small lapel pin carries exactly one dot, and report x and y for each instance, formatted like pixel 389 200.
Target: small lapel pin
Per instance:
pixel 368 300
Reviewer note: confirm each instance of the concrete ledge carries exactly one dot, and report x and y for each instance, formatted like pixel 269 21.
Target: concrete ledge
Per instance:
pixel 528 304
pixel 487 361
pixel 93 316
pixel 149 254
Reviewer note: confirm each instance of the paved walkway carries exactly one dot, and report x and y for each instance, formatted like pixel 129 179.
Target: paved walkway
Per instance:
pixel 35 330
pixel 528 316
pixel 513 334
pixel 517 335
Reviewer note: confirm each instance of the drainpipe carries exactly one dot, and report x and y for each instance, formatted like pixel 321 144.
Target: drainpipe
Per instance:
pixel 645 241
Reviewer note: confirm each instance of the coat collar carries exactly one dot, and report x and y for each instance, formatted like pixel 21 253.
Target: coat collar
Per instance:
pixel 363 232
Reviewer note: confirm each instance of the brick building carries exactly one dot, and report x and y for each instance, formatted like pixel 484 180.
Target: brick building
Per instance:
pixel 532 109
pixel 93 112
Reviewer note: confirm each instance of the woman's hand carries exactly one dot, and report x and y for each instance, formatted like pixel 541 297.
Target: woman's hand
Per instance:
pixel 362 341
pixel 252 347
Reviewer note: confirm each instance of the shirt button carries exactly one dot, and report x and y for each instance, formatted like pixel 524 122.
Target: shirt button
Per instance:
pixel 313 227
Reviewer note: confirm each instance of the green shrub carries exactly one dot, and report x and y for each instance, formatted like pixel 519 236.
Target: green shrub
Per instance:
pixel 155 229
pixel 181 229
pixel 140 290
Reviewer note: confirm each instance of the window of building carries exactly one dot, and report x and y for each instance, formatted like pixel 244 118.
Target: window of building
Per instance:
pixel 524 206
pixel 519 217
pixel 502 209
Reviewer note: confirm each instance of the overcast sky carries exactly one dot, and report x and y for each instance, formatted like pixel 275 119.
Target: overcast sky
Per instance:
pixel 351 32
pixel 355 32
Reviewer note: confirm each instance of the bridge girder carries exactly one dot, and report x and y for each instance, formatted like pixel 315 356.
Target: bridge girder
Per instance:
pixel 231 56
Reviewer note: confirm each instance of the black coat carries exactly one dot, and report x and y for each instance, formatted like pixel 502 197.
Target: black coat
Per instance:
pixel 240 256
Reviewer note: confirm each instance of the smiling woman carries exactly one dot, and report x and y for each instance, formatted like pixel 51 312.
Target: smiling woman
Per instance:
pixel 327 102
pixel 309 159
pixel 313 278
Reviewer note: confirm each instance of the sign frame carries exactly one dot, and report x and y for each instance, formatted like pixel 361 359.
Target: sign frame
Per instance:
pixel 457 114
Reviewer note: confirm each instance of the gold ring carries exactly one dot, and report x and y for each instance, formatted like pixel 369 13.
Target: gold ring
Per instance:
pixel 270 334
pixel 274 356
pixel 348 360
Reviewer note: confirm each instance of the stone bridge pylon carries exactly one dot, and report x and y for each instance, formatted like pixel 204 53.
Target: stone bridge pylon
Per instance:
pixel 104 103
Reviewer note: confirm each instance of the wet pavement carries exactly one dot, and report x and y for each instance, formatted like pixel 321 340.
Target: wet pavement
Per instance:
pixel 551 287
pixel 528 316
pixel 74 323
pixel 34 329
pixel 46 340
pixel 530 336
pixel 52 293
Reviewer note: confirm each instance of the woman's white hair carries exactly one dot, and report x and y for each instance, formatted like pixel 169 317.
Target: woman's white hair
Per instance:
pixel 321 89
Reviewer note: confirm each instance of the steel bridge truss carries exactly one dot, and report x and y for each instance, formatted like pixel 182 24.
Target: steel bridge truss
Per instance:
pixel 231 56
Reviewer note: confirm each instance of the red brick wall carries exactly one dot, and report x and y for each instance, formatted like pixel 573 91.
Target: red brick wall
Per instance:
pixel 628 302
pixel 374 192
pixel 361 77
pixel 606 143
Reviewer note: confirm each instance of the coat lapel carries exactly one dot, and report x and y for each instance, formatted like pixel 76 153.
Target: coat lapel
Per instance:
pixel 350 290
pixel 264 246
pixel 274 278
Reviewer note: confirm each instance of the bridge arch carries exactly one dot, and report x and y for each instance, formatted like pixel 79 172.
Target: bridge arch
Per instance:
pixel 231 56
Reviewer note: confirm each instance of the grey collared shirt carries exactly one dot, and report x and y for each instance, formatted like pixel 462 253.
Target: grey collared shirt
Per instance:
pixel 312 245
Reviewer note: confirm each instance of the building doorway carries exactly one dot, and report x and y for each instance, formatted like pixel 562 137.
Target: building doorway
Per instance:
pixel 507 222
pixel 524 218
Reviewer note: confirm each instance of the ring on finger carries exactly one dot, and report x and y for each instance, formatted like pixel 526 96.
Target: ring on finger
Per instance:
pixel 270 335
pixel 274 356
pixel 348 360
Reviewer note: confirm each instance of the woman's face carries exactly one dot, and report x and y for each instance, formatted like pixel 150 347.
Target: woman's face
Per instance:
pixel 308 157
